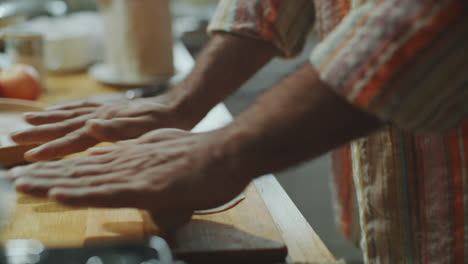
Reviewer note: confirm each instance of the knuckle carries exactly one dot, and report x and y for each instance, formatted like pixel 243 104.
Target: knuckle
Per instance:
pixel 74 136
pixel 107 111
pixel 89 125
pixel 82 181
pixel 39 165
pixel 100 132
pixel 86 103
pixel 69 173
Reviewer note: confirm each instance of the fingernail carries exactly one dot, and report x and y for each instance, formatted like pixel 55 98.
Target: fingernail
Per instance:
pixel 33 151
pixel 96 149
pixel 20 182
pixel 56 194
pixel 52 192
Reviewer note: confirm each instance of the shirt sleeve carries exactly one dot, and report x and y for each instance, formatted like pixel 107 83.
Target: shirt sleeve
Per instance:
pixel 404 61
pixel 284 23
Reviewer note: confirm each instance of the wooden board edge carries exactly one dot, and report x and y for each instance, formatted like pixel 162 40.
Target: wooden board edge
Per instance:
pixel 14 155
pixel 8 104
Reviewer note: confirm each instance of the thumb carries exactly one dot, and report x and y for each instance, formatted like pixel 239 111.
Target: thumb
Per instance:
pixel 162 134
pixel 117 129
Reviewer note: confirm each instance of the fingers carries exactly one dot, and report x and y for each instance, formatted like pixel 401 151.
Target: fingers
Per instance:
pixel 36 179
pixel 70 168
pixel 41 118
pixel 71 106
pixel 61 142
pixel 41 186
pixel 115 195
pixel 48 132
pixel 76 141
pixel 118 128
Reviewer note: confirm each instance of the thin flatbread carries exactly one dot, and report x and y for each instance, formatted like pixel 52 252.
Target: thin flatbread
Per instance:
pixel 224 207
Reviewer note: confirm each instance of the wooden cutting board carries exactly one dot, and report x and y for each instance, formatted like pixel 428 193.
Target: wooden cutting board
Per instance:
pixel 245 232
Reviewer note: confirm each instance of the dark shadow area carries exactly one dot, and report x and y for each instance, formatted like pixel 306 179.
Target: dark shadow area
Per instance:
pixel 123 228
pixel 203 241
pixel 124 231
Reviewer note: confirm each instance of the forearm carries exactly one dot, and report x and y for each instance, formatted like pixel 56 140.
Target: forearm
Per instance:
pixel 223 66
pixel 298 119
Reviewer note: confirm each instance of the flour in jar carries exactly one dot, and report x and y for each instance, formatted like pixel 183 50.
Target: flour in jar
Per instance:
pixel 10 122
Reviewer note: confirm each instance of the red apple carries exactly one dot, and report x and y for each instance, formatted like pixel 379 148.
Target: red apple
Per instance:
pixel 20 81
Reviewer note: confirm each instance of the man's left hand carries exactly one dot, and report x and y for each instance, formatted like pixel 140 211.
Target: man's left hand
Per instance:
pixel 163 169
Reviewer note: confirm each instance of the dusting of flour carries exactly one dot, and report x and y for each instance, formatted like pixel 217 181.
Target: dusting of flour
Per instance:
pixel 10 122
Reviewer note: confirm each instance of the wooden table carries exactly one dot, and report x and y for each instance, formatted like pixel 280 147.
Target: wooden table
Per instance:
pixel 265 192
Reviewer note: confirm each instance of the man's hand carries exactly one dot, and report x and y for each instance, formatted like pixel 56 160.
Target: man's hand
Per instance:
pixel 72 128
pixel 164 169
pixel 220 69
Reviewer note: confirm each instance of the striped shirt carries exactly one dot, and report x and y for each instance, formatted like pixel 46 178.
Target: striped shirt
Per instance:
pixel 404 189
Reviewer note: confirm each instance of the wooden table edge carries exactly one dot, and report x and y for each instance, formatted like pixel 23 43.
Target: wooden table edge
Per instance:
pixel 304 245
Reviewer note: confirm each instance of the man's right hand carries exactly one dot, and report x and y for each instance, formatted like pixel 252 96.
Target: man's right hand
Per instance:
pixel 71 128
pixel 220 69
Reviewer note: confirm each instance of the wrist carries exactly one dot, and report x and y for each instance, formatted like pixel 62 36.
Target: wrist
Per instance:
pixel 183 105
pixel 237 147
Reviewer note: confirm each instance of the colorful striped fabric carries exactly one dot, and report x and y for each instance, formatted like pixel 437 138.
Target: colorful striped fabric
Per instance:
pixel 406 62
pixel 267 20
pixel 392 58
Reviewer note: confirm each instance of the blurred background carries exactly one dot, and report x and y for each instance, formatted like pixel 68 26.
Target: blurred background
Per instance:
pixel 308 184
